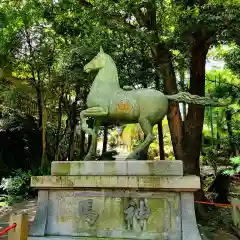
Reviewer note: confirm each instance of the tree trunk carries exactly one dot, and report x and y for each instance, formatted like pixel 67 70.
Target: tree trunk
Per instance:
pixel 73 123
pixel 165 67
pixel 82 144
pixel 105 139
pixel 218 139
pixel 72 145
pixel 211 124
pixel 42 124
pixel 83 134
pixel 39 103
pixel 59 125
pixel 160 129
pixel 161 142
pixel 228 114
pixel 218 145
pixel 90 123
pixel 194 121
pixel 44 163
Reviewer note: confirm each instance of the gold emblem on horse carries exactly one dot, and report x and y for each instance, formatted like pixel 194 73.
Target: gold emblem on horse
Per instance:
pixel 124 107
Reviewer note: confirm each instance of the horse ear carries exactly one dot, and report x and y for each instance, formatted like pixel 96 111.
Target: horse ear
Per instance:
pixel 101 50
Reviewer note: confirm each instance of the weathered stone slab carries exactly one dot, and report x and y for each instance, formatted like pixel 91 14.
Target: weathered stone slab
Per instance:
pixel 38 226
pixel 72 214
pixel 236 212
pixel 118 168
pixel 174 183
pixel 189 223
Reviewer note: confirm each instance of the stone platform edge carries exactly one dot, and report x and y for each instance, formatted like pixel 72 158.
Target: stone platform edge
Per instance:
pixel 172 183
pixel 118 168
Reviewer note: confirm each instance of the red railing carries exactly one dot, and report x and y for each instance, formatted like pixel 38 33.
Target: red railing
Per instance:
pixel 216 204
pixel 7 229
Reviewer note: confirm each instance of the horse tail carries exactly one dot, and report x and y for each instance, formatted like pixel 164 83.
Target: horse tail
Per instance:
pixel 194 99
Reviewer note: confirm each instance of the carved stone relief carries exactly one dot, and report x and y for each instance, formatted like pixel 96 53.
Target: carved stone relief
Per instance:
pixel 86 210
pixel 139 210
pixel 142 213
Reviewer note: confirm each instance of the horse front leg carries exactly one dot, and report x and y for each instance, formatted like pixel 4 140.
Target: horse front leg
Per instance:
pixel 93 147
pixel 148 132
pixel 93 112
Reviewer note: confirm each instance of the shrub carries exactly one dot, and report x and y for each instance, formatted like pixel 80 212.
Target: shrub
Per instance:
pixel 235 168
pixel 17 186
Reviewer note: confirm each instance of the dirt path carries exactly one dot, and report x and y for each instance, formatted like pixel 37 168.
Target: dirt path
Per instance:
pixel 28 207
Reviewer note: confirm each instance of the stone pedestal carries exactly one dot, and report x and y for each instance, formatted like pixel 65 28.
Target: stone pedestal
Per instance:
pixel 115 200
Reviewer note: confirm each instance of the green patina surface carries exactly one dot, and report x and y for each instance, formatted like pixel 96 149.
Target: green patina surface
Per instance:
pixel 110 216
pixel 109 103
pixel 64 169
pixel 163 214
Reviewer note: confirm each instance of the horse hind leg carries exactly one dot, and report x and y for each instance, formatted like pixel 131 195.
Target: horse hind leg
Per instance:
pixel 148 132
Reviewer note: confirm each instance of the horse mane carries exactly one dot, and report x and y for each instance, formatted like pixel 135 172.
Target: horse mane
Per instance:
pixel 113 63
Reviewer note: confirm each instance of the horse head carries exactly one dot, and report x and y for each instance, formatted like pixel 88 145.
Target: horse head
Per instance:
pixel 97 63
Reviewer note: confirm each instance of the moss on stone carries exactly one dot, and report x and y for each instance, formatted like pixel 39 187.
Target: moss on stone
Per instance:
pixel 61 169
pixel 34 180
pixel 110 167
pixel 157 208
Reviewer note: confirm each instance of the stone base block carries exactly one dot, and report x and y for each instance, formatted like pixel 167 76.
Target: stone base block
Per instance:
pixel 115 207
pixel 117 168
